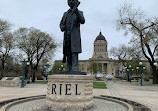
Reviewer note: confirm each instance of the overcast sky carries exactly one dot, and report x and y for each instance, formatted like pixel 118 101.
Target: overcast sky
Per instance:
pixel 99 14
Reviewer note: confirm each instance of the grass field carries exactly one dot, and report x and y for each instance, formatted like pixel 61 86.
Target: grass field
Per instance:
pixel 42 82
pixel 100 85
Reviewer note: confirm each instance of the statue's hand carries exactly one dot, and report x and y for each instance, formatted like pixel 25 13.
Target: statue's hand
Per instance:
pixel 75 10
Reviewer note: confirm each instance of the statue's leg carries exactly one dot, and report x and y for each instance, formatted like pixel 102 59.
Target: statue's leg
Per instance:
pixel 69 62
pixel 69 55
pixel 74 61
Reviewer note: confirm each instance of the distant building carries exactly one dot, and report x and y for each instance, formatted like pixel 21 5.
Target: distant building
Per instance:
pixel 100 56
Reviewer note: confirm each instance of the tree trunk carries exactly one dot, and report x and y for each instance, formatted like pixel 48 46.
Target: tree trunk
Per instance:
pixel 1 75
pixel 26 72
pixel 34 73
pixel 33 76
pixel 128 77
pixel 155 76
pixel 29 73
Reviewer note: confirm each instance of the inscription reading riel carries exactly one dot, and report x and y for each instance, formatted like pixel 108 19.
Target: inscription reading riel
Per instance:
pixel 65 89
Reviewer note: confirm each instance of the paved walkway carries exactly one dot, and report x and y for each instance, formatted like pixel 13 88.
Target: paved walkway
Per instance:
pixel 147 95
pixel 7 93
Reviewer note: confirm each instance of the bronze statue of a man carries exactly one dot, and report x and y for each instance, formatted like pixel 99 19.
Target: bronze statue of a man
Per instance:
pixel 70 25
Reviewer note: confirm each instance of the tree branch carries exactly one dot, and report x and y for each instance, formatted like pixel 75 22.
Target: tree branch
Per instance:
pixel 141 39
pixel 153 24
pixel 155 49
pixel 149 51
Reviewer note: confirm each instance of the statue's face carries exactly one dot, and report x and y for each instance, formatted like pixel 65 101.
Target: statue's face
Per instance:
pixel 71 3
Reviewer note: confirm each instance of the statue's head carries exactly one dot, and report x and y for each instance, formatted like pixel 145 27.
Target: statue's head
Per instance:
pixel 72 3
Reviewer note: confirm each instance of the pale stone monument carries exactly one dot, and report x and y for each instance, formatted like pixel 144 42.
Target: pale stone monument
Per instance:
pixel 10 82
pixel 70 90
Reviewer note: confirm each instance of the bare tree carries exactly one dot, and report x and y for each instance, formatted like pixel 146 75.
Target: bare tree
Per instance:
pixel 36 44
pixel 12 66
pixel 5 26
pixel 144 30
pixel 126 55
pixel 6 43
pixel 120 53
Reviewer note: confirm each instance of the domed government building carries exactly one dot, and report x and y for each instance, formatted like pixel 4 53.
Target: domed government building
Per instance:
pixel 100 58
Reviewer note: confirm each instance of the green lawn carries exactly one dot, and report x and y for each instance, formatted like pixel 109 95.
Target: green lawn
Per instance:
pixel 100 85
pixel 42 82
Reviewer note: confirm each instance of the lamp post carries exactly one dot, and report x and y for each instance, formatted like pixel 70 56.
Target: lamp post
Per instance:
pixel 59 69
pixel 24 63
pixel 130 69
pixel 47 67
pixel 62 68
pixel 126 72
pixel 141 67
pixel 137 68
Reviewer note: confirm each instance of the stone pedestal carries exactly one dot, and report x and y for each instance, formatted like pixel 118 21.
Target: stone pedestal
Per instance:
pixel 69 92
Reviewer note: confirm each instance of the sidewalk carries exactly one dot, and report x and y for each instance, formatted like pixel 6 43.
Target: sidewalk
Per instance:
pixel 147 95
pixel 7 93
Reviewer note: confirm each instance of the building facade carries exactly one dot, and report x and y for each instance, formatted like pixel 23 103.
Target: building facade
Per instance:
pixel 100 57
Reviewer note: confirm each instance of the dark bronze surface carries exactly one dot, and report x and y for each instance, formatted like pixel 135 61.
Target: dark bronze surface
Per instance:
pixel 70 25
